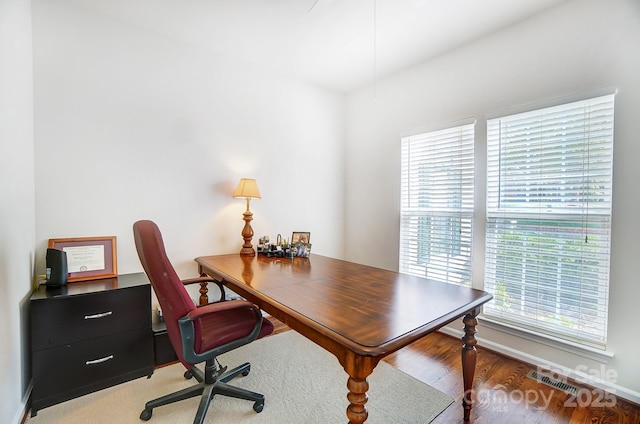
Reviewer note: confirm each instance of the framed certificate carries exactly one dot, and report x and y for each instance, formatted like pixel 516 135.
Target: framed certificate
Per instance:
pixel 88 258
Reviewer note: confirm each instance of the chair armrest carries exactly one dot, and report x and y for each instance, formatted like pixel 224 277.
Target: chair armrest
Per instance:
pixel 187 329
pixel 199 280
pixel 211 308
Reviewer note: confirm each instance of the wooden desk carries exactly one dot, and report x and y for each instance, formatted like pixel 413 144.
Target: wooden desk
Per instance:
pixel 358 313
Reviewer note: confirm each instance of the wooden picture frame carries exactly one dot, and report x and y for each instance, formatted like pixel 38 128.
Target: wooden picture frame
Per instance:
pixel 300 237
pixel 88 258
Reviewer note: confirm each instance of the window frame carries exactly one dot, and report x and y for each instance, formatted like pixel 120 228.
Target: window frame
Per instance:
pixel 598 215
pixel 427 250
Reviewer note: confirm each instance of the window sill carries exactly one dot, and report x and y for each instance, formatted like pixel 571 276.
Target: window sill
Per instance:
pixel 577 349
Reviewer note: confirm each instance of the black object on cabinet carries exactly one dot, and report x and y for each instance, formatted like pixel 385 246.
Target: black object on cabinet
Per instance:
pixel 87 336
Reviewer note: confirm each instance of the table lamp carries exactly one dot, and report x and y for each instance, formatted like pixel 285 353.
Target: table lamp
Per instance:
pixel 247 188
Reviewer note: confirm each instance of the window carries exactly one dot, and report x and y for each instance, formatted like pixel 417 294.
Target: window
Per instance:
pixel 548 219
pixel 437 205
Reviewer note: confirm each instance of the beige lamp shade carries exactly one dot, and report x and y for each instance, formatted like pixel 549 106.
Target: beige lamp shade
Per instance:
pixel 247 188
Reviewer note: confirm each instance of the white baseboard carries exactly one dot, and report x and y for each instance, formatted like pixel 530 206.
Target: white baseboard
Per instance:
pixel 20 413
pixel 620 391
pixel 23 407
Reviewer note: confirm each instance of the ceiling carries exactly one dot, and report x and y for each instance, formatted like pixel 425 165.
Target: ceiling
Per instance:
pixel 337 44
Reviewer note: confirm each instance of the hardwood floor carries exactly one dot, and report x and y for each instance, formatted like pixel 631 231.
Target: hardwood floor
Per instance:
pixel 504 392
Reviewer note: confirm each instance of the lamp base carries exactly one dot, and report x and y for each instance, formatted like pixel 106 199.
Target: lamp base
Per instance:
pixel 247 234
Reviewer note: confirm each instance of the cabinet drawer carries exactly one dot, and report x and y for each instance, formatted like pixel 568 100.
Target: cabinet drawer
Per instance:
pixel 72 370
pixel 67 319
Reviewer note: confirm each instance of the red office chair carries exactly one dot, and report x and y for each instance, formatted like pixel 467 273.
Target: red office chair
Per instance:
pixel 198 334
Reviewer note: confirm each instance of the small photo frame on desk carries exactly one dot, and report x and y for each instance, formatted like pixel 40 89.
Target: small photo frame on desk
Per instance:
pixel 88 258
pixel 300 237
pixel 301 250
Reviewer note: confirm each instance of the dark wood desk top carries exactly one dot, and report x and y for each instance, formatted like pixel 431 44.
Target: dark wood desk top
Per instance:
pixel 372 311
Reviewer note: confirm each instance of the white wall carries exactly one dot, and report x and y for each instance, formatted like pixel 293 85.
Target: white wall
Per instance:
pixel 134 124
pixel 576 48
pixel 17 221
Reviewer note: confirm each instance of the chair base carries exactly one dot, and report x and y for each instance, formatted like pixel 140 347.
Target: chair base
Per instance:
pixel 207 390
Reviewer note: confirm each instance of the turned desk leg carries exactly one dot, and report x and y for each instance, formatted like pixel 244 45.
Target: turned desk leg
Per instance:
pixel 204 296
pixel 204 288
pixel 469 361
pixel 358 368
pixel 356 411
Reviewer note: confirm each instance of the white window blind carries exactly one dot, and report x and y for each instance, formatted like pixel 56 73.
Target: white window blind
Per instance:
pixel 548 219
pixel 437 205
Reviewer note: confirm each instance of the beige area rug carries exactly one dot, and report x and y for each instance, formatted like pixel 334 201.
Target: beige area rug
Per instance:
pixel 302 384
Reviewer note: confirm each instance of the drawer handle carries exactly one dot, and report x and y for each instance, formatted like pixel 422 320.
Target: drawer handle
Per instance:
pixel 99 361
pixel 102 315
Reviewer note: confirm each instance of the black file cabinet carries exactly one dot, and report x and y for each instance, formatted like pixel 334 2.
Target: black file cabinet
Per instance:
pixel 88 336
pixel 162 348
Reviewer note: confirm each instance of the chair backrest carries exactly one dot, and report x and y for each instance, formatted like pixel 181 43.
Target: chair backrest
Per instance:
pixel 171 293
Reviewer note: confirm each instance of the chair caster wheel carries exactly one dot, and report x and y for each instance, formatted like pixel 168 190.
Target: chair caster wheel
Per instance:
pixel 188 375
pixel 246 372
pixel 258 406
pixel 146 414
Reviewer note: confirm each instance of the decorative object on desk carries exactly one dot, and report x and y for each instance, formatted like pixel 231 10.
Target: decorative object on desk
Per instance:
pixel 301 250
pixel 288 251
pixel 274 250
pixel 280 249
pixel 248 189
pixel 88 258
pixel 57 270
pixel 300 237
pixel 263 244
